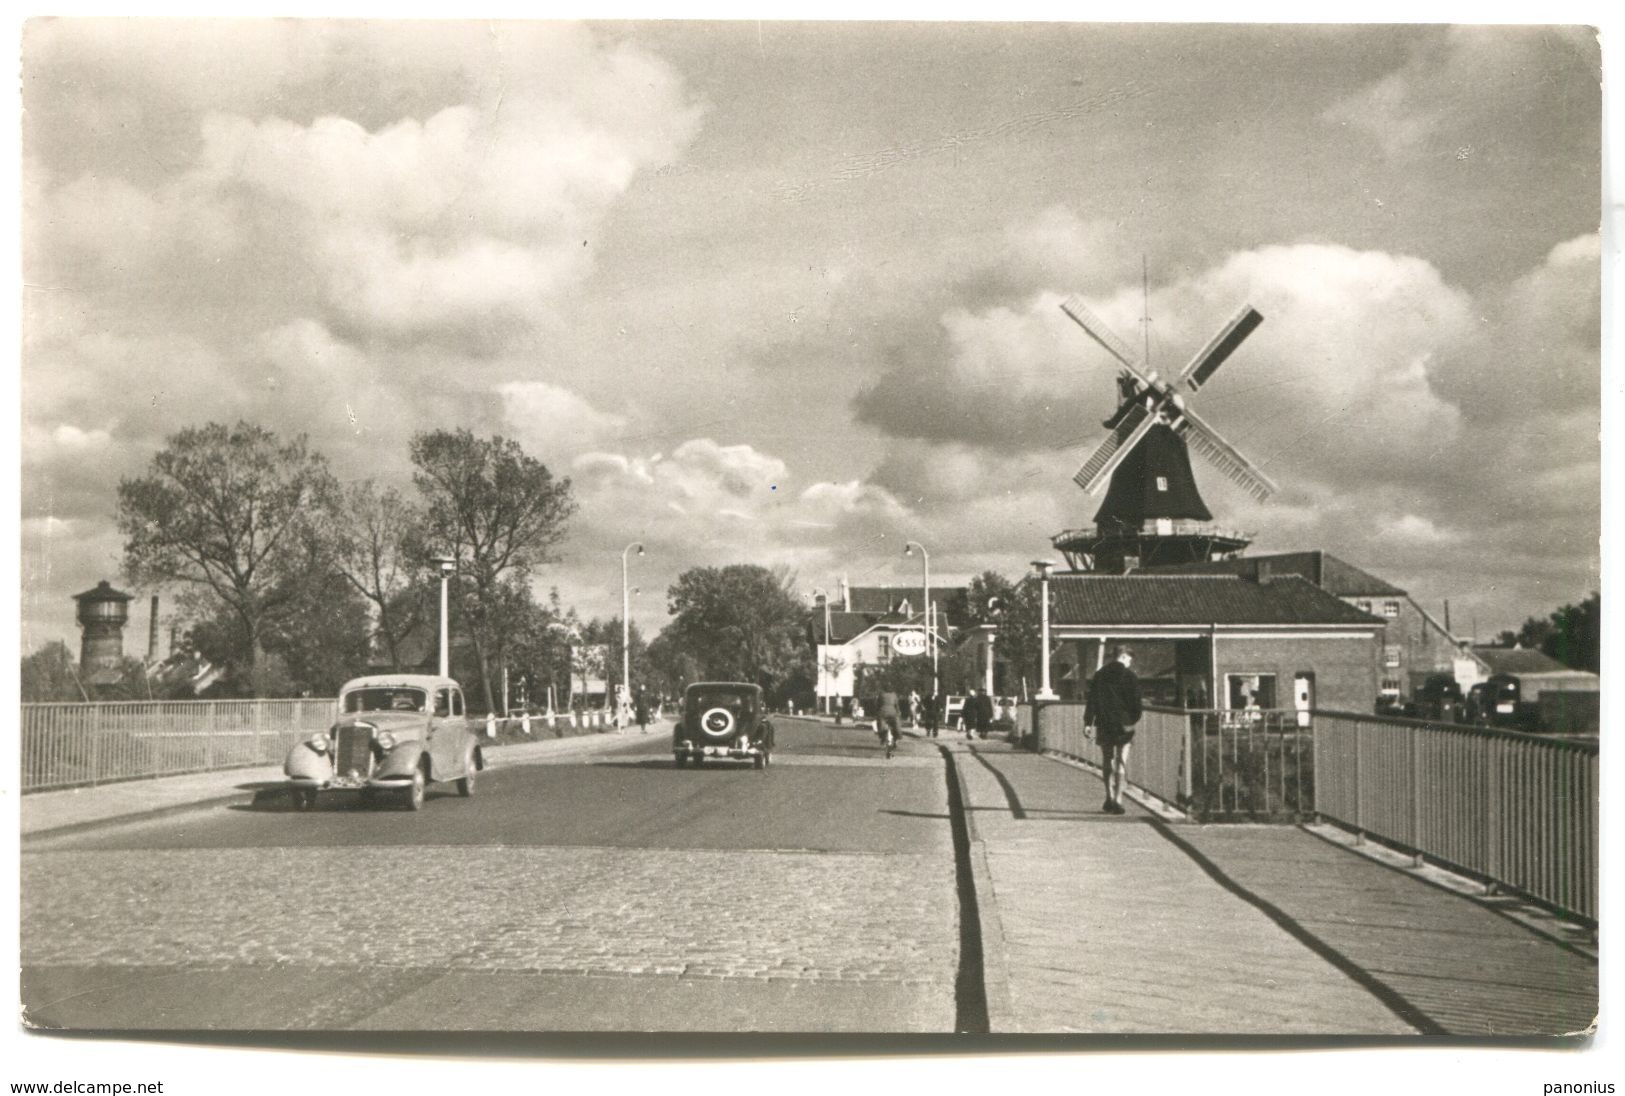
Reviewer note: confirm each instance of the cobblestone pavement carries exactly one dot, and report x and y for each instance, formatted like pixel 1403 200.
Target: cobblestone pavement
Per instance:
pixel 503 937
pixel 575 910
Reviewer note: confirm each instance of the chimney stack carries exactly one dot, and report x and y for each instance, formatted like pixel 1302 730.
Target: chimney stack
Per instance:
pixel 846 595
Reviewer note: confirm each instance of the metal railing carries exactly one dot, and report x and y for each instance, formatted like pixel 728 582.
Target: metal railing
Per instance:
pixel 1253 764
pixel 1159 761
pixel 1515 808
pixel 67 745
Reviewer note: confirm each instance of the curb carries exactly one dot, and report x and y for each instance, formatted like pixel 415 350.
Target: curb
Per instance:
pixel 1001 1014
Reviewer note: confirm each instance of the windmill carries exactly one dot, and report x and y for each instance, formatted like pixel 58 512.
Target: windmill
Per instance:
pixel 1153 511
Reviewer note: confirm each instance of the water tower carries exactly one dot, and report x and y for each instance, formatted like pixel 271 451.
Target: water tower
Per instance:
pixel 102 614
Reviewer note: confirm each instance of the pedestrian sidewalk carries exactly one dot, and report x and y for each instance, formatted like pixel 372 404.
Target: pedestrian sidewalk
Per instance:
pixel 1105 924
pixel 128 799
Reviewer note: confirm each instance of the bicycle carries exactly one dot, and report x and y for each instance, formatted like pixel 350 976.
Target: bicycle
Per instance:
pixel 886 728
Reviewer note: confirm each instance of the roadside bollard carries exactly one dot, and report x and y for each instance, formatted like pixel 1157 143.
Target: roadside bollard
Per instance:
pixel 490 724
pixel 524 722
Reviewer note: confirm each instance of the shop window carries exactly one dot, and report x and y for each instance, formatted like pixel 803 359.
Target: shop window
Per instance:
pixel 1250 690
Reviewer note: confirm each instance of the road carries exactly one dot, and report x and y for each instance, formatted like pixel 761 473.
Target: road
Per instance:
pixel 611 893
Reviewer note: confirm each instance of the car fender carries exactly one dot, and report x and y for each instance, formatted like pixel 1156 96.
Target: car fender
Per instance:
pixel 304 763
pixel 400 762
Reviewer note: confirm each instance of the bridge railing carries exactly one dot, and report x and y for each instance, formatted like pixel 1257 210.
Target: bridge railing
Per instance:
pixel 68 745
pixel 1515 808
pixel 1161 753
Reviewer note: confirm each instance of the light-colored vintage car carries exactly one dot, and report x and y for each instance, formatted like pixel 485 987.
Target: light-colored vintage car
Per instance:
pixel 395 733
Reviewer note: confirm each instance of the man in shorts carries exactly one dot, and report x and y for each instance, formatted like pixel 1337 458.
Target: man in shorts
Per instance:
pixel 1112 708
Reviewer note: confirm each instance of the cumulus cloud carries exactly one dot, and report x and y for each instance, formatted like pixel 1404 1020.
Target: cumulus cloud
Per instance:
pixel 477 213
pixel 1456 86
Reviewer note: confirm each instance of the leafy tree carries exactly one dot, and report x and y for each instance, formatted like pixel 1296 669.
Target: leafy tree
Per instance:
pixel 901 675
pixel 51 674
pixel 233 515
pixel 1571 634
pixel 1576 636
pixel 741 622
pixel 1015 608
pixel 498 512
pixel 376 536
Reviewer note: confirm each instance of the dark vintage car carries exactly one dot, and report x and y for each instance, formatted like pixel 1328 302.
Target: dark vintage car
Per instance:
pixel 395 734
pixel 723 720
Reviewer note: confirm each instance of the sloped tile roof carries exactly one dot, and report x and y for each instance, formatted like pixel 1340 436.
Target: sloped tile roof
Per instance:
pixel 1326 571
pixel 1165 599
pixel 1518 660
pixel 880 600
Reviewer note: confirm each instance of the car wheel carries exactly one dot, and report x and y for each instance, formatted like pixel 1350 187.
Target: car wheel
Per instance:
pixel 303 800
pixel 680 759
pixel 465 783
pixel 414 794
pixel 761 761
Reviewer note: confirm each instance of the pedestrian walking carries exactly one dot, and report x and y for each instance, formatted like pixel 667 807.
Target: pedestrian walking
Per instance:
pixel 931 711
pixel 1112 707
pixel 914 708
pixel 978 714
pixel 640 708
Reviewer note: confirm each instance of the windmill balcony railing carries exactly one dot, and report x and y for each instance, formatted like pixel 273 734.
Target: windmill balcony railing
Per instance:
pixel 1519 811
pixel 1173 528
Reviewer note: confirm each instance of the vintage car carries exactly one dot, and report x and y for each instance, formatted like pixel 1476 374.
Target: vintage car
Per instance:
pixel 395 733
pixel 723 719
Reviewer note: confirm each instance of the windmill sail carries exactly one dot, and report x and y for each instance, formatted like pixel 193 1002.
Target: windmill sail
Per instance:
pixel 1223 456
pixel 1106 457
pixel 1096 329
pixel 1220 347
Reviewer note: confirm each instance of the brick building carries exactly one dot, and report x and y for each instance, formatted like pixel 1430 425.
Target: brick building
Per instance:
pixel 1217 641
pixel 1413 643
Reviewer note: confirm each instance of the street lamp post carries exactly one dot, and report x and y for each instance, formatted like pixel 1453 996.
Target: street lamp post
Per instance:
pixel 626 632
pixel 448 567
pixel 925 558
pixel 1044 691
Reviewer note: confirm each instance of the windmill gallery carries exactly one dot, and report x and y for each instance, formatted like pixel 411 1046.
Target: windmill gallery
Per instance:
pixel 1211 626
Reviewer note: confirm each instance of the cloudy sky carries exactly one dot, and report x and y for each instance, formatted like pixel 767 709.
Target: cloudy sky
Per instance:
pixel 787 293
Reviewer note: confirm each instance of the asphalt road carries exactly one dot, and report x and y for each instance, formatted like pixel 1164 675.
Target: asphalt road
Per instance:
pixel 608 893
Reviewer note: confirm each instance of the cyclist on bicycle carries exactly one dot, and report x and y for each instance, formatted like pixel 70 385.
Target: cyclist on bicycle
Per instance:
pixel 887 725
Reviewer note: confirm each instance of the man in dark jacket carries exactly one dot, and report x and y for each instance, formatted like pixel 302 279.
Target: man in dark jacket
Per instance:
pixel 978 714
pixel 1112 708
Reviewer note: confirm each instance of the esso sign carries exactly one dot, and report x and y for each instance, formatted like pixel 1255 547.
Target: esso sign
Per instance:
pixel 908 643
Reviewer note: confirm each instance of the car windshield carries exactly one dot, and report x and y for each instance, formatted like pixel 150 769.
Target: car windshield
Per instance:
pixel 385 700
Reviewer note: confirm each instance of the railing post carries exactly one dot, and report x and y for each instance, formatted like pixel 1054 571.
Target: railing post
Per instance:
pixel 1359 820
pixel 1416 795
pixel 95 743
pixel 208 738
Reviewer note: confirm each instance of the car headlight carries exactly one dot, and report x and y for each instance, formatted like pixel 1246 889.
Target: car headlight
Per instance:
pixel 386 741
pixel 319 743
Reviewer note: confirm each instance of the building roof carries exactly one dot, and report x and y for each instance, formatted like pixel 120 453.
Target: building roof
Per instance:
pixel 103 591
pixel 881 600
pixel 1331 574
pixel 1519 660
pixel 1143 599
